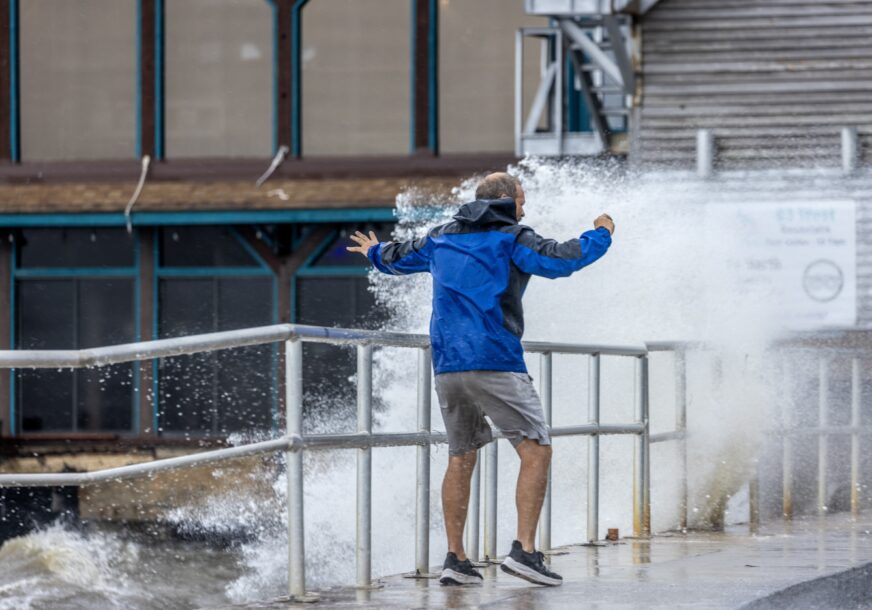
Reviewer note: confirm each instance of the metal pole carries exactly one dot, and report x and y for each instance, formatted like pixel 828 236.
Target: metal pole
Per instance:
pixel 422 512
pixel 705 153
pixel 545 386
pixel 823 408
pixel 294 460
pixel 754 500
pixel 593 416
pixel 364 467
pixel 856 399
pixel 850 149
pixel 641 475
pixel 519 91
pixel 787 446
pixel 473 511
pixel 490 501
pixel 681 426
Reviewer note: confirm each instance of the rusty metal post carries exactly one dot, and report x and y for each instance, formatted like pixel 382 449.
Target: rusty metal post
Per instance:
pixel 641 472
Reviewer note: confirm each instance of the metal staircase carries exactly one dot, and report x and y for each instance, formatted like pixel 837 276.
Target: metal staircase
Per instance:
pixel 586 80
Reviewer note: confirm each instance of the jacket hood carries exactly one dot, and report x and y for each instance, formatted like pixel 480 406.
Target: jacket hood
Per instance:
pixel 488 212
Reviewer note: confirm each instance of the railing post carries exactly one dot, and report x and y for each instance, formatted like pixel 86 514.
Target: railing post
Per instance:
pixel 593 415
pixel 754 500
pixel 705 153
pixel 473 511
pixel 364 467
pixel 787 446
pixel 545 394
pixel 490 501
pixel 856 399
pixel 294 460
pixel 681 427
pixel 422 512
pixel 823 444
pixel 641 474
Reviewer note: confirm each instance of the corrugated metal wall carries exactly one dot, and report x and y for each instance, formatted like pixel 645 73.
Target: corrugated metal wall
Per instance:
pixel 773 79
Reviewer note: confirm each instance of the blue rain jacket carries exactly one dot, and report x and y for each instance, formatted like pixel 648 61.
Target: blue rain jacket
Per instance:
pixel 481 263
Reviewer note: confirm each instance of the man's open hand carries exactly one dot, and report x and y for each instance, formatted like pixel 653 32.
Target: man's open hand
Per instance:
pixel 604 220
pixel 363 242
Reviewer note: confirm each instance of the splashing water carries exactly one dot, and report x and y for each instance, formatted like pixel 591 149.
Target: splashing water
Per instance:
pixel 666 277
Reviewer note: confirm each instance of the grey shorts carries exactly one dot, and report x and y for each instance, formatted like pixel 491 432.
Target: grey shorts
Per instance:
pixel 508 399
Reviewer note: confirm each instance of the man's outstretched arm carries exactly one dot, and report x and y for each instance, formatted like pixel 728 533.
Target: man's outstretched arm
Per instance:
pixel 539 256
pixel 394 258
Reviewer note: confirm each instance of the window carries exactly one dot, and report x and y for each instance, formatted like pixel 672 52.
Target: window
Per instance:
pixel 219 78
pixel 476 63
pixel 75 289
pixel 333 290
pixel 210 282
pixel 356 85
pixel 78 79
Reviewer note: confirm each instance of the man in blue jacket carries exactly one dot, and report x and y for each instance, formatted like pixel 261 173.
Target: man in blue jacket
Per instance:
pixel 481 263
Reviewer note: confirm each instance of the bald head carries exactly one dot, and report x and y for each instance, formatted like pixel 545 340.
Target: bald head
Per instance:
pixel 496 186
pixel 500 185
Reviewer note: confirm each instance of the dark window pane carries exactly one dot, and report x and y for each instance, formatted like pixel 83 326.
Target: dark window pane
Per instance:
pixel 203 247
pixel 76 248
pixel 104 395
pixel 46 396
pixel 245 376
pixel 105 312
pixel 46 314
pixel 45 321
pixel 341 301
pixel 104 398
pixel 75 314
pixel 220 392
pixel 187 307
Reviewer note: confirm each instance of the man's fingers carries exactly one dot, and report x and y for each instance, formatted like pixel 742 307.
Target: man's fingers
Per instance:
pixel 372 236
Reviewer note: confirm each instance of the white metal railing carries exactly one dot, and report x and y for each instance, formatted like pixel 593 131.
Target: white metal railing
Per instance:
pixel 294 443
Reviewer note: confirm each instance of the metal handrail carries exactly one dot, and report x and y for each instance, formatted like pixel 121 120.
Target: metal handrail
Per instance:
pixel 294 443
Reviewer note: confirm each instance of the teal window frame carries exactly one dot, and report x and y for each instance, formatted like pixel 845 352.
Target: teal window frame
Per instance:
pixel 18 274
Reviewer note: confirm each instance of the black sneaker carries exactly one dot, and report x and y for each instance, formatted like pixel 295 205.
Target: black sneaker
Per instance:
pixel 529 566
pixel 456 572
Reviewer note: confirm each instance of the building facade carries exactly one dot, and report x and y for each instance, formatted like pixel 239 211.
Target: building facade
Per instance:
pixel 132 134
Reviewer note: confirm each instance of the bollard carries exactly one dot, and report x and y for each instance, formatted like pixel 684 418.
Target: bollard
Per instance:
pixel 705 153
pixel 593 415
pixel 850 150
pixel 754 501
pixel 422 504
pixel 294 423
pixel 364 467
pixel 545 388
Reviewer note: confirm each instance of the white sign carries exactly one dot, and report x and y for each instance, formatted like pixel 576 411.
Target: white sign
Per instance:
pixel 804 254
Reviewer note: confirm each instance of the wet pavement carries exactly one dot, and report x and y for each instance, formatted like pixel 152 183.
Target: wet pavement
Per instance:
pixel 696 570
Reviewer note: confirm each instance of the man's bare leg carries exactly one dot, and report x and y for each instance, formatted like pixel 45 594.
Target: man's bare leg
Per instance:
pixel 455 499
pixel 530 492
